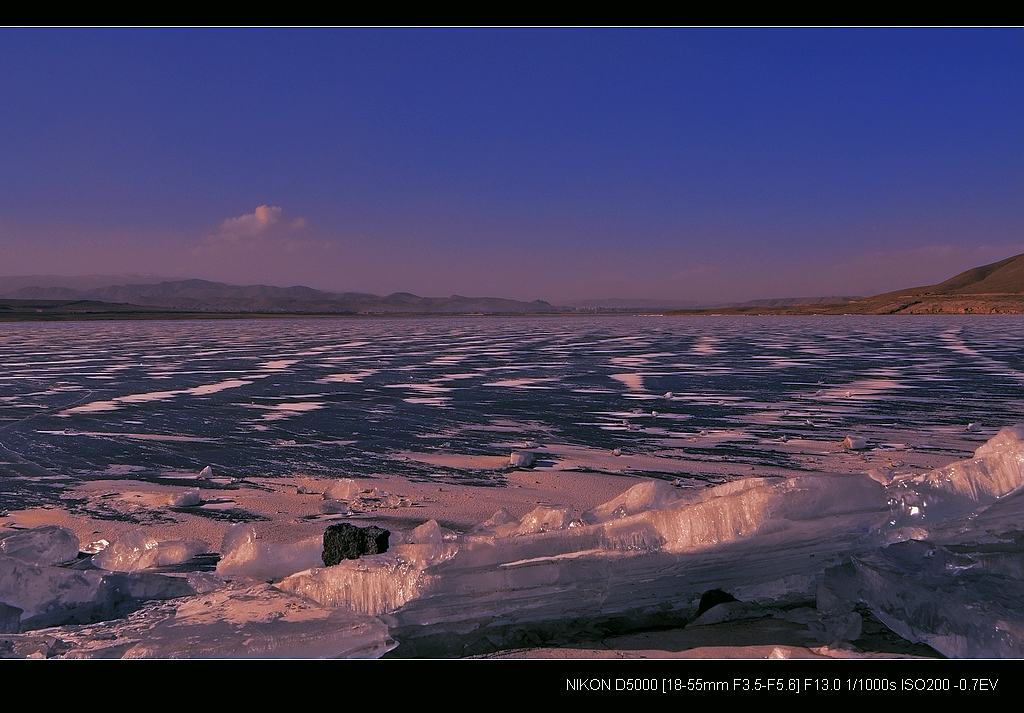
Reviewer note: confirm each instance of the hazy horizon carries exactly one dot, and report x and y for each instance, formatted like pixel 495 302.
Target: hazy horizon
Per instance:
pixel 675 165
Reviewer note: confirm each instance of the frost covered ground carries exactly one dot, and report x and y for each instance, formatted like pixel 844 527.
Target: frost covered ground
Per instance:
pixel 573 492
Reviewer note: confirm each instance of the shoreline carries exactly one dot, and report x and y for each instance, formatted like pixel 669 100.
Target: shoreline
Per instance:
pixel 668 314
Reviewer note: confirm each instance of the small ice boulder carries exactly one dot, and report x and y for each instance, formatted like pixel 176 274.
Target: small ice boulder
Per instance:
pixel 50 544
pixel 138 550
pixel 186 499
pixel 973 426
pixel 349 542
pixel 642 497
pixel 668 395
pixel 522 459
pixel 206 473
pixel 335 507
pixel 855 443
pixel 542 519
pixel 617 452
pixel 344 489
pixel 501 519
pixel 430 533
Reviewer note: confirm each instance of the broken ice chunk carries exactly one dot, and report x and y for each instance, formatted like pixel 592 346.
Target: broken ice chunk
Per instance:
pixel 138 550
pixel 243 554
pixel 186 499
pixel 490 525
pixel 855 443
pixel 51 596
pixel 521 459
pixel 367 587
pixel 50 544
pixel 430 533
pixel 96 546
pixel 997 470
pixel 957 603
pixel 542 519
pixel 344 489
pixel 335 507
pixel 651 495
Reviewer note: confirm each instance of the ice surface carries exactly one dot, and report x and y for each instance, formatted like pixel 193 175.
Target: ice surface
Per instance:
pixel 50 544
pixel 943 568
pixel 243 554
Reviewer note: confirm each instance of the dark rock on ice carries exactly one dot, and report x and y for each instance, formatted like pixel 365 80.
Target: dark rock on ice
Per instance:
pixel 347 541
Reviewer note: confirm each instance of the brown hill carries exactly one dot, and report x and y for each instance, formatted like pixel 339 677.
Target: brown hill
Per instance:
pixel 997 288
pixel 1003 277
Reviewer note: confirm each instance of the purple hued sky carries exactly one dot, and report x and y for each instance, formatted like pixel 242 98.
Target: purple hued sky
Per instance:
pixel 563 164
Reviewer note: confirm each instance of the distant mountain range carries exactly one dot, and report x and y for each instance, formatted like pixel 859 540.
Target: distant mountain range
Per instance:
pixel 207 296
pixel 997 288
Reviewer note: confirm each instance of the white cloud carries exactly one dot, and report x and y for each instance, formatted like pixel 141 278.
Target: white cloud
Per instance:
pixel 264 223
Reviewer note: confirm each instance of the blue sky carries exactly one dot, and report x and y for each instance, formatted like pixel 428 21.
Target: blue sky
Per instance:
pixel 690 164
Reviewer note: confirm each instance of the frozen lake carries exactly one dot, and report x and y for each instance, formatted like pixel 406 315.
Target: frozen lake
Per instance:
pixel 354 396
